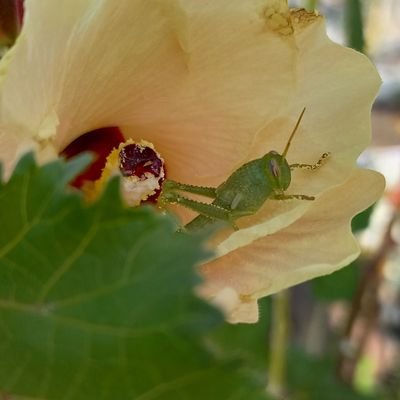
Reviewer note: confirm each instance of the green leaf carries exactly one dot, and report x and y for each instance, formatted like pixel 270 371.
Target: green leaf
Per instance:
pixel 342 285
pixel 96 302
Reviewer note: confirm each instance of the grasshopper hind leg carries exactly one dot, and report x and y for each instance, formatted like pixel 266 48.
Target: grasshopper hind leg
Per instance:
pixel 208 212
pixel 171 186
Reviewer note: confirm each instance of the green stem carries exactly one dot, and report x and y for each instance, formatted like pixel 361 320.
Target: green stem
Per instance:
pixel 279 344
pixel 311 5
pixel 354 25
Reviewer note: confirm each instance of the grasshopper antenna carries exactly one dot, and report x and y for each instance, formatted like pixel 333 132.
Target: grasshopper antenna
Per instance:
pixel 293 133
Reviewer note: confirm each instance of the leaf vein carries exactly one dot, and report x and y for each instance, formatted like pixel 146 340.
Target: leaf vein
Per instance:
pixel 173 384
pixel 66 265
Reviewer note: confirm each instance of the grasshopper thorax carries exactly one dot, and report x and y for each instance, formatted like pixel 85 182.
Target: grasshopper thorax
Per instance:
pixel 278 171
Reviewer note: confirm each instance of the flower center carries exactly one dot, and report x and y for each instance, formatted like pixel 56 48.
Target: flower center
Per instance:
pixel 140 166
pixel 142 170
pixel 100 142
pixel 138 160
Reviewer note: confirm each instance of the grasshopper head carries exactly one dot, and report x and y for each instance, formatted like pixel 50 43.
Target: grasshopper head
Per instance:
pixel 278 171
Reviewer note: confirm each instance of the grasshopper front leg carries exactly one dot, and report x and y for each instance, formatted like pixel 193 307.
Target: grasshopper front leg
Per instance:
pixel 292 197
pixel 312 167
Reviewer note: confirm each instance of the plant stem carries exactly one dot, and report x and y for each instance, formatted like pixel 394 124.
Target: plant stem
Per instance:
pixel 354 25
pixel 279 344
pixel 311 5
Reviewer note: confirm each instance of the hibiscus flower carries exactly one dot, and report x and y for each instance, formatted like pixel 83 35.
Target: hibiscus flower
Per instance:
pixel 211 85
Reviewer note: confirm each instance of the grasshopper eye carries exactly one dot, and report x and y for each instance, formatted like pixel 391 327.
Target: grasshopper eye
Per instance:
pixel 274 168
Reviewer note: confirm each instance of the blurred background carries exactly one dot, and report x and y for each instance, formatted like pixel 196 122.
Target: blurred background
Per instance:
pixel 349 322
pixel 336 337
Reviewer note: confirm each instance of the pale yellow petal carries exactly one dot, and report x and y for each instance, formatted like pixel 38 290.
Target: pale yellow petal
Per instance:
pixel 337 86
pixel 198 79
pixel 318 243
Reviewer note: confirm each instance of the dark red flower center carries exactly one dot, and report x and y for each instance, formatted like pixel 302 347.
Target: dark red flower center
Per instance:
pixel 134 159
pixel 137 160
pixel 100 143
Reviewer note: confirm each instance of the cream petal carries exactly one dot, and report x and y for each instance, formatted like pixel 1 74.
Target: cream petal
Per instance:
pixel 318 243
pixel 337 86
pixel 196 79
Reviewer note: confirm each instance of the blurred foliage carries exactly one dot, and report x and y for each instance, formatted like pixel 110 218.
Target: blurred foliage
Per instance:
pixel 390 386
pixel 340 285
pixel 312 378
pixel 309 378
pixel 361 220
pixel 249 341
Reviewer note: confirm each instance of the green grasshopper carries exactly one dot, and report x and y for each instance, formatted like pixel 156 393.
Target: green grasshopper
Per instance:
pixel 244 192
